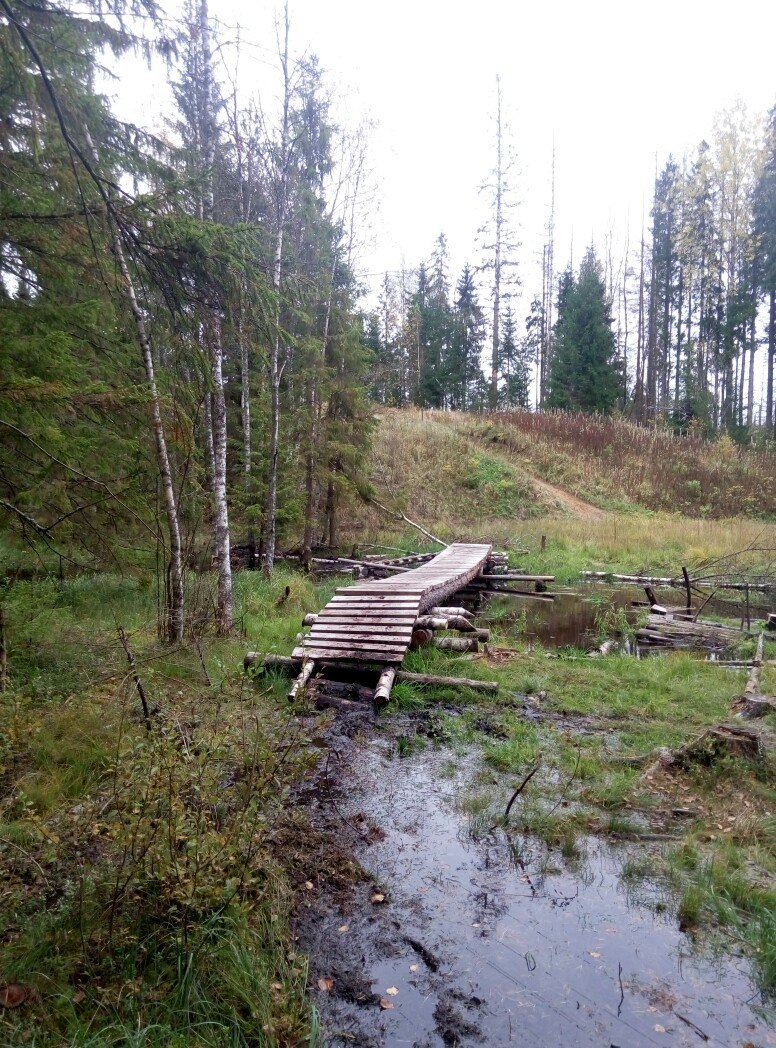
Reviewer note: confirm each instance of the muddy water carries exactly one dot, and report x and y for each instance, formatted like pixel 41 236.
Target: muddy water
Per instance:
pixel 471 947
pixel 573 619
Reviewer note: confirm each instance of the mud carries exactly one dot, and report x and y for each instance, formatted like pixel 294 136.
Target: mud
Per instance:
pixel 454 935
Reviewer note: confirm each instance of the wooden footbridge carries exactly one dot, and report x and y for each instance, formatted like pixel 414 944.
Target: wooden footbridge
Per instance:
pixel 369 625
pixel 372 621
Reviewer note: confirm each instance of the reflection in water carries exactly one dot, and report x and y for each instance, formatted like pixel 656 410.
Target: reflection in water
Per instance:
pixel 551 952
pixel 575 619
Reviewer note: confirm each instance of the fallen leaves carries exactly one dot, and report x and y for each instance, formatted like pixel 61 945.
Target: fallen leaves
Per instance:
pixel 392 990
pixel 13 995
pixel 378 897
pixel 326 983
pixel 385 1004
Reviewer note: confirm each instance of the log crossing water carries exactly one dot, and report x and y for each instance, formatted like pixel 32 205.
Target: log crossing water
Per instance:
pixel 372 621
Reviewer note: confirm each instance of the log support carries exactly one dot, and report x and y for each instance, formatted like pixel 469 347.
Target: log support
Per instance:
pixel 384 685
pixel 299 684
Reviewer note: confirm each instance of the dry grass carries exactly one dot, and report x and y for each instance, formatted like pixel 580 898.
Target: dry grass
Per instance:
pixel 614 463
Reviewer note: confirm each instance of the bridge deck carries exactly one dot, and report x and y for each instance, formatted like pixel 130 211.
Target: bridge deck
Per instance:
pixel 372 621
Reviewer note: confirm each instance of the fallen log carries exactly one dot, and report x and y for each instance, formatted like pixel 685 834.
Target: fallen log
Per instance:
pixel 455 644
pixel 308 620
pixel 438 622
pixel 752 703
pixel 515 577
pixel 637 580
pixel 446 612
pixel 678 633
pixel 526 594
pixel 421 638
pixel 369 565
pixel 446 682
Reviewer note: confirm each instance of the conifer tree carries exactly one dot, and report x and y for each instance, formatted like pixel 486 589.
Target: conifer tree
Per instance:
pixel 765 238
pixel 583 374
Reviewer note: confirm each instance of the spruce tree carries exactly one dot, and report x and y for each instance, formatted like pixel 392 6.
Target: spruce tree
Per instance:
pixel 584 375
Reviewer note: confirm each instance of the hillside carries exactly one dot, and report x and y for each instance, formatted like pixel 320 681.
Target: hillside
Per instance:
pixel 457 470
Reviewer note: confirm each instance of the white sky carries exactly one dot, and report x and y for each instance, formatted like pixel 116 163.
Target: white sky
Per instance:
pixel 613 84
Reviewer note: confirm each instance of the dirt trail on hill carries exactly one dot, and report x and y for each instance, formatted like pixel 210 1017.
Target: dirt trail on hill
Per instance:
pixel 583 510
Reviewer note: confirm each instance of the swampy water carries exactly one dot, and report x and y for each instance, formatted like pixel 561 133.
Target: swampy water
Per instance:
pixel 582 619
pixel 467 936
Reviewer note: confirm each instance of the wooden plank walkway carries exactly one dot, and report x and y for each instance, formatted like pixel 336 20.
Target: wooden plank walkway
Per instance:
pixel 372 621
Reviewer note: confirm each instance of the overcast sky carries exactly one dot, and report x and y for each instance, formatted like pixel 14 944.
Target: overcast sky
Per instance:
pixel 613 85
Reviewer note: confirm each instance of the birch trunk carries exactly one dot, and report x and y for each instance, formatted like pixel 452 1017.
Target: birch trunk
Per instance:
pixel 220 504
pixel 270 514
pixel 176 602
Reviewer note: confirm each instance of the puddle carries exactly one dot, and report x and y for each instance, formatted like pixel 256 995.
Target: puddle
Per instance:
pixel 470 948
pixel 572 619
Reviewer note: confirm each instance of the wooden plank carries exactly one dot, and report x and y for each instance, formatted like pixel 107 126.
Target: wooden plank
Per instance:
pixel 359 643
pixel 398 644
pixel 344 597
pixel 367 618
pixel 348 655
pixel 371 628
pixel 398 635
pixel 373 602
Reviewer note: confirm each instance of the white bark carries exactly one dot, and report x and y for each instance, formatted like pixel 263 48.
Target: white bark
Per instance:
pixel 284 161
pixel 175 617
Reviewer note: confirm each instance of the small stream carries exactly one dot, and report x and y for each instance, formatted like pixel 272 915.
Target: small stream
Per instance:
pixel 471 947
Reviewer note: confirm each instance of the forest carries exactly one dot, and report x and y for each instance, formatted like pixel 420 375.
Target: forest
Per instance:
pixel 212 418
pixel 188 350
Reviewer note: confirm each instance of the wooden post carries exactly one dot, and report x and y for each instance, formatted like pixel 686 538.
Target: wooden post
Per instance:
pixel 687 587
pixel 384 685
pixel 301 681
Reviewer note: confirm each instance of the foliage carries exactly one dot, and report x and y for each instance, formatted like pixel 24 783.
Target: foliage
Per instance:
pixel 583 372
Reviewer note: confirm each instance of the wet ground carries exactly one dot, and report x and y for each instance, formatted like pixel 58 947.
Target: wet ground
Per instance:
pixel 582 618
pixel 462 935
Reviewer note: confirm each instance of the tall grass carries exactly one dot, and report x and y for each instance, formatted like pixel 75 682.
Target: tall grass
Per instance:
pixel 610 459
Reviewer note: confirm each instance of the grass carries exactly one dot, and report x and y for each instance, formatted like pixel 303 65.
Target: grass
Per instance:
pixel 143 899
pixel 615 464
